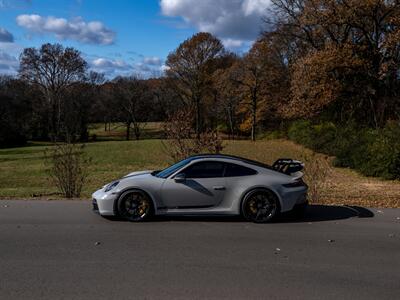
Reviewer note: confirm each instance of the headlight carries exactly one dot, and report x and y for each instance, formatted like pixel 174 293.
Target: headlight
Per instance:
pixel 110 186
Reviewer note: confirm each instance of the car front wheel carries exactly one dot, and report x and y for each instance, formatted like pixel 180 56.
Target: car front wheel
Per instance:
pixel 135 206
pixel 260 206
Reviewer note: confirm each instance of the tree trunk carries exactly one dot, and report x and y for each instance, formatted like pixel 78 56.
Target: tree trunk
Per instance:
pixel 198 116
pixel 136 130
pixel 254 117
pixel 53 132
pixel 230 118
pixel 128 130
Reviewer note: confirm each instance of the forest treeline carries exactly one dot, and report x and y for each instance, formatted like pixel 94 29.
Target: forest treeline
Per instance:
pixel 333 63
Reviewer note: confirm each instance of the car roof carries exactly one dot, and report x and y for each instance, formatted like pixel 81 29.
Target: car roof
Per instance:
pixel 230 157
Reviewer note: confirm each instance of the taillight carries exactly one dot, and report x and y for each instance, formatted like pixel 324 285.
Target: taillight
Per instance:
pixel 297 183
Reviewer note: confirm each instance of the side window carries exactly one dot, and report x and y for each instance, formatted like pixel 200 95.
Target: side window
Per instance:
pixel 206 169
pixel 233 170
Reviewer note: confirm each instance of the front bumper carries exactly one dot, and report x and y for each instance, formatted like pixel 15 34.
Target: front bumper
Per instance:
pixel 95 206
pixel 103 203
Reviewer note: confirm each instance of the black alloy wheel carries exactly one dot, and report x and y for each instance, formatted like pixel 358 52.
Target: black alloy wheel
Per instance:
pixel 135 206
pixel 260 206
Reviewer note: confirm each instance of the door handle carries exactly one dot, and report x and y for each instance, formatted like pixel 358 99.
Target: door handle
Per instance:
pixel 219 188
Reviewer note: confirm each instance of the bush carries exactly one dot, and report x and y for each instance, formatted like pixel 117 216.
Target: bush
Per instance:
pixel 371 152
pixel 301 132
pixel 323 137
pixel 316 173
pixel 320 138
pixel 384 153
pixel 350 146
pixel 68 167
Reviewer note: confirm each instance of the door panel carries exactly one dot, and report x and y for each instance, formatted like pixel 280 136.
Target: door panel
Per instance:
pixel 193 192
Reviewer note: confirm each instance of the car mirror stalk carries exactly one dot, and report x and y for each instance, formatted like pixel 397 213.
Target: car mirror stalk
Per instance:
pixel 180 178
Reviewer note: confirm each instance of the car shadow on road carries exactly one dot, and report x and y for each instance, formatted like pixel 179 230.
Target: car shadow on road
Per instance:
pixel 320 213
pixel 314 213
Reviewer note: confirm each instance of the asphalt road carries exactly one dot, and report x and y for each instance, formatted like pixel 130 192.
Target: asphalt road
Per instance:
pixel 61 250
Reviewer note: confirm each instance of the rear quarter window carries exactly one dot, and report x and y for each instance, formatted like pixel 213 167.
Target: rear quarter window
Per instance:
pixel 233 170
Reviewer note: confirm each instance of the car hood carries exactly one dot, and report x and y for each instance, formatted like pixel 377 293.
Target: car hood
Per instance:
pixel 137 173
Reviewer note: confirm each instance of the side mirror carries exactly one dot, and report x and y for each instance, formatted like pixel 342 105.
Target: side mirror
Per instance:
pixel 181 177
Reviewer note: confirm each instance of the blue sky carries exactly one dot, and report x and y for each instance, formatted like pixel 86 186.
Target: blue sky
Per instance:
pixel 124 37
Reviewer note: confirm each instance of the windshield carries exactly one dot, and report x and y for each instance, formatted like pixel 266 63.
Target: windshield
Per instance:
pixel 172 169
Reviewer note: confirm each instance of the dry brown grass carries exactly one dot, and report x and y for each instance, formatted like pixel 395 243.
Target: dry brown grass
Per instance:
pixel 342 187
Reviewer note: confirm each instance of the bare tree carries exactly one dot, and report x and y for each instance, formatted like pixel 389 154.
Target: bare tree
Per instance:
pixel 52 68
pixel 182 142
pixel 133 98
pixel 68 168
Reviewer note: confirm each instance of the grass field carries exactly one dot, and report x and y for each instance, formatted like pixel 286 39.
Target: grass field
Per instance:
pixel 117 131
pixel 23 175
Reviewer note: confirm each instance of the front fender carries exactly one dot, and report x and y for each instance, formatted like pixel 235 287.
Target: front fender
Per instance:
pixel 128 189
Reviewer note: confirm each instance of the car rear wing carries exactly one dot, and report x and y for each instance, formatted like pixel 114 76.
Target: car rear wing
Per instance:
pixel 289 166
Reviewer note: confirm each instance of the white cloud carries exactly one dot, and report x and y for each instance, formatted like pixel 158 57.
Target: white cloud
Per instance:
pixel 152 60
pixel 8 64
pixel 258 7
pixel 110 67
pixel 6 36
pixel 164 68
pixel 234 21
pixel 109 63
pixel 7 4
pixel 147 67
pixel 232 43
pixel 75 29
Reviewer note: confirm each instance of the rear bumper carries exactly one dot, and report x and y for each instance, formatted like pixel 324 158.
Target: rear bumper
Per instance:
pixel 292 197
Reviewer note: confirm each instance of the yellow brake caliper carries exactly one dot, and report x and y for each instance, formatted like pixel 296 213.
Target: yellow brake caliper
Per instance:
pixel 253 207
pixel 143 207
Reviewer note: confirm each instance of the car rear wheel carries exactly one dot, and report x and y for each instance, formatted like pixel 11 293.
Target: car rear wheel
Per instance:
pixel 260 206
pixel 135 206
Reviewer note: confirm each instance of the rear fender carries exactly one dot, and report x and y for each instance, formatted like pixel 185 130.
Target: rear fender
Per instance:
pixel 259 188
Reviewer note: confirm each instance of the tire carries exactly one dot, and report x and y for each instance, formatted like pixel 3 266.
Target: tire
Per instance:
pixel 260 206
pixel 135 206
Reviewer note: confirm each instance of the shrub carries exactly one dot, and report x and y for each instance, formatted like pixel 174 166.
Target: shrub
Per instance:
pixel 350 146
pixel 319 137
pixel 316 173
pixel 371 152
pixel 68 168
pixel 384 153
pixel 301 132
pixel 323 137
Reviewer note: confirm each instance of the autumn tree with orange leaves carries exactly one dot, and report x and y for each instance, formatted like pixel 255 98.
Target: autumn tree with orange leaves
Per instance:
pixel 190 69
pixel 346 57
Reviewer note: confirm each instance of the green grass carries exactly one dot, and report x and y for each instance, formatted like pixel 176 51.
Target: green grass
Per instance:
pixel 23 174
pixel 117 132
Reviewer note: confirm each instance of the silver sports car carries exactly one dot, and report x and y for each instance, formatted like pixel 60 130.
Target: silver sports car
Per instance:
pixel 210 184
